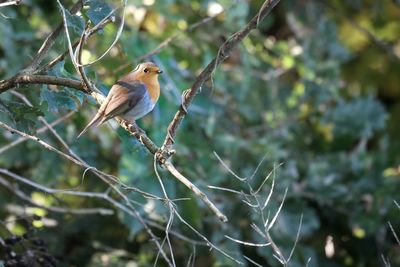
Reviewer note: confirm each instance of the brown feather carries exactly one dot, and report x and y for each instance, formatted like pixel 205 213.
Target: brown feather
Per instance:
pixel 96 119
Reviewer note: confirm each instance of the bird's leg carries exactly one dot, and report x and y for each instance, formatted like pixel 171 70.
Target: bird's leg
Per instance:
pixel 136 129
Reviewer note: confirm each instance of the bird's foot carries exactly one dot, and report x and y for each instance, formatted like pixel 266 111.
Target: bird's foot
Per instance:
pixel 135 128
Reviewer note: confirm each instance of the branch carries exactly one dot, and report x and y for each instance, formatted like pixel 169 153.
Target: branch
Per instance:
pixel 39 79
pixel 194 189
pixel 223 53
pixel 19 193
pixel 41 130
pixel 10 3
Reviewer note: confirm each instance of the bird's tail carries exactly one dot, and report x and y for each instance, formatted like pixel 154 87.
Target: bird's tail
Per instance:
pixel 97 119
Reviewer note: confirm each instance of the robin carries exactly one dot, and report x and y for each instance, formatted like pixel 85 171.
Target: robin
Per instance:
pixel 131 97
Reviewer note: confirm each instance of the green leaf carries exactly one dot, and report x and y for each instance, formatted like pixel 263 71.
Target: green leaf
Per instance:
pixel 61 99
pixel 98 10
pixel 357 118
pixel 75 23
pixel 60 71
pixel 19 115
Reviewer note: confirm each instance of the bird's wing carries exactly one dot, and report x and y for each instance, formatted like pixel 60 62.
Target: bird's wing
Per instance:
pixel 125 95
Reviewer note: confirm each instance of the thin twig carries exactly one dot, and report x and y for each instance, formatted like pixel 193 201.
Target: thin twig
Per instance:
pixel 252 261
pixel 64 17
pixel 48 190
pixel 171 211
pixel 270 193
pixel 205 239
pixel 171 168
pixel 39 131
pixel 397 204
pixel 242 179
pixel 271 224
pixel 15 190
pixel 385 261
pixel 247 243
pixel 228 190
pixel 297 238
pixel 394 233
pixel 11 3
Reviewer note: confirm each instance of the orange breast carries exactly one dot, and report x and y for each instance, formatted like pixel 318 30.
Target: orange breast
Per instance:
pixel 151 82
pixel 154 91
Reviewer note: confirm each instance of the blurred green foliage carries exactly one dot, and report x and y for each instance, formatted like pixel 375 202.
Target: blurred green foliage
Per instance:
pixel 308 89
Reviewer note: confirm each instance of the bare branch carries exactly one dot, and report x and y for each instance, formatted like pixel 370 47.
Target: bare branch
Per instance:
pixel 385 261
pixel 171 168
pixel 171 212
pixel 176 234
pixel 39 131
pixel 211 245
pixel 397 204
pixel 10 3
pixel 15 190
pixel 252 261
pixel 394 233
pixel 228 190
pixel 271 224
pixel 247 243
pixel 50 190
pixel 297 238
pixel 242 179
pixel 270 193
pixel 39 79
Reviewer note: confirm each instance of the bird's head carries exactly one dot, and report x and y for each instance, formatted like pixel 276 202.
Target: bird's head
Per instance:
pixel 147 71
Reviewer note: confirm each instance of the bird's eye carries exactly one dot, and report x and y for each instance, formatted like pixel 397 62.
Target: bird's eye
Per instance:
pixel 146 70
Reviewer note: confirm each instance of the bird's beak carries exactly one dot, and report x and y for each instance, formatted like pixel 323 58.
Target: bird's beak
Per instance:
pixel 159 71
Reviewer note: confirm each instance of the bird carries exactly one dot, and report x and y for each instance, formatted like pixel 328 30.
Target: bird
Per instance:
pixel 131 97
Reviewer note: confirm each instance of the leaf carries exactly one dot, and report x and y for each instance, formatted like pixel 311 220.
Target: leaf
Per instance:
pixel 60 71
pixel 74 22
pixel 98 10
pixel 21 116
pixel 61 99
pixel 357 118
